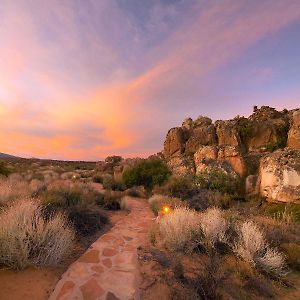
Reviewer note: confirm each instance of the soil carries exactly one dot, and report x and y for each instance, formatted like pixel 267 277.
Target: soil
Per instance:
pixel 38 283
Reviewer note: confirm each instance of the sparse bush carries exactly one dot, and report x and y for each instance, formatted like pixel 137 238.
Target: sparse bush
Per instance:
pixel 87 220
pixel 253 248
pixel 216 180
pixel 97 179
pixel 26 238
pixel 112 200
pixel 147 173
pixel 214 226
pixel 180 230
pixel 63 197
pixel 292 252
pixel 109 183
pixel 279 144
pixel 3 169
pixel 158 201
pixel 178 187
pixel 136 192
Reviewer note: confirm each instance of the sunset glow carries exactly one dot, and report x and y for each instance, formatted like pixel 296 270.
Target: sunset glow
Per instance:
pixel 81 80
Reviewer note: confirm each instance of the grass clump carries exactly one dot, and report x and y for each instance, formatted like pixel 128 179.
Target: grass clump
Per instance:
pixel 27 238
pixel 97 179
pixel 180 230
pixel 252 246
pixel 158 201
pixel 147 173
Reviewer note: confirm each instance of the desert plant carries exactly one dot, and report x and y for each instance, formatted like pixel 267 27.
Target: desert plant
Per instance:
pixel 87 220
pixel 252 246
pixel 180 230
pixel 292 252
pixel 63 197
pixel 4 170
pixel 112 200
pixel 157 202
pixel 26 238
pixel 136 192
pixel 214 226
pixel 97 179
pixel 216 180
pixel 147 173
pixel 178 187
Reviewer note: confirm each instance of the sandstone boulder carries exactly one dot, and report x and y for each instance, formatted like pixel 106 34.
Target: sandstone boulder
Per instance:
pixel 294 132
pixel 175 142
pixel 279 176
pixel 228 133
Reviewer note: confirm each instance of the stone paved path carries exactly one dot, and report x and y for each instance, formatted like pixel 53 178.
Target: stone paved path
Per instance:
pixel 109 269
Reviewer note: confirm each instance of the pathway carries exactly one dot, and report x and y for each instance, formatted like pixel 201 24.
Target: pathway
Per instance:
pixel 109 268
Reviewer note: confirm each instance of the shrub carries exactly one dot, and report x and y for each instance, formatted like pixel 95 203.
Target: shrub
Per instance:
pixel 158 201
pixel 109 183
pixel 292 252
pixel 216 180
pixel 180 230
pixel 253 248
pixel 279 144
pixel 136 192
pixel 87 220
pixel 63 197
pixel 97 179
pixel 26 238
pixel 178 187
pixel 147 173
pixel 3 169
pixel 112 200
pixel 214 226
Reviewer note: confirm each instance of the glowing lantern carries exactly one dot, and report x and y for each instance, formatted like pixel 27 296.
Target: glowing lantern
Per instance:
pixel 74 176
pixel 166 209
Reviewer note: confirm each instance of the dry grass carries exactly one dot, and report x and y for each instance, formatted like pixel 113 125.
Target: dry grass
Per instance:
pixel 158 201
pixel 180 230
pixel 214 226
pixel 252 246
pixel 26 238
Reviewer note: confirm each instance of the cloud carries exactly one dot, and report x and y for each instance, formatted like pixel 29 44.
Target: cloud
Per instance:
pixel 99 80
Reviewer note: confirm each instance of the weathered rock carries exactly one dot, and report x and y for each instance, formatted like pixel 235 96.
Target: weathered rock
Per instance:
pixel 228 133
pixel 279 176
pixel 268 128
pixel 251 187
pixel 181 165
pixel 230 154
pixel 201 135
pixel 294 132
pixel 174 143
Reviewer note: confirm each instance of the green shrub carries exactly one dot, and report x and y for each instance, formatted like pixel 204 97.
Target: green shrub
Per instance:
pixel 178 187
pixel 279 144
pixel 87 220
pixel 63 197
pixel 109 183
pixel 97 179
pixel 4 170
pixel 216 180
pixel 147 173
pixel 112 200
pixel 158 201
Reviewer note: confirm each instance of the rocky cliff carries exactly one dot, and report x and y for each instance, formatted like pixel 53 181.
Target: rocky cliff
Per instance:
pixel 263 150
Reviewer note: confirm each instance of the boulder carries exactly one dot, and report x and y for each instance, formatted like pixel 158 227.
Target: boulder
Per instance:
pixel 228 133
pixel 294 132
pixel 175 142
pixel 279 176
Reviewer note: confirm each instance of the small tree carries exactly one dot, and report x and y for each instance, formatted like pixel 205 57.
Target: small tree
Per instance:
pixel 147 173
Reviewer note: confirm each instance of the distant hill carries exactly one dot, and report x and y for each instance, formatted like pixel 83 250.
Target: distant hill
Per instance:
pixel 4 155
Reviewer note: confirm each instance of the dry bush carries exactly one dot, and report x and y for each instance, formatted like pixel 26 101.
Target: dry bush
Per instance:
pixel 292 252
pixel 214 226
pixel 252 246
pixel 158 201
pixel 26 238
pixel 180 230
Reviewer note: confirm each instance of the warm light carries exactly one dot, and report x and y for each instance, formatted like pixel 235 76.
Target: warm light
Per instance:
pixel 74 176
pixel 166 209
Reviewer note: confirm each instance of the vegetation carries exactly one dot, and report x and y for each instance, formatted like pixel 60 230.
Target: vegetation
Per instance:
pixel 157 202
pixel 217 180
pixel 27 238
pixel 4 170
pixel 147 173
pixel 278 144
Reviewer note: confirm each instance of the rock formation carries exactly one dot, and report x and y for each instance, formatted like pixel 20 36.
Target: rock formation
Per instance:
pixel 251 148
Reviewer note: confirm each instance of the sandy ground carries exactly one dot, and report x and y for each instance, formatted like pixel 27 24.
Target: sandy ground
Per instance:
pixel 38 284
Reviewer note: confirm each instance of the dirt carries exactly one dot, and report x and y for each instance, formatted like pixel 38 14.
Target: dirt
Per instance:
pixel 38 283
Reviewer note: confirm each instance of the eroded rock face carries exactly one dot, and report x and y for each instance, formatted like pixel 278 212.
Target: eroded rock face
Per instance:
pixel 294 132
pixel 181 165
pixel 279 176
pixel 228 133
pixel 175 142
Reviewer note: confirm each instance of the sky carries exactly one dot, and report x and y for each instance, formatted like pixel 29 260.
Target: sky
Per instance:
pixel 84 79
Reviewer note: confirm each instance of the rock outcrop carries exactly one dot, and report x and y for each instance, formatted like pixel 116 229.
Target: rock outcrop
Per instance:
pixel 243 145
pixel 279 176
